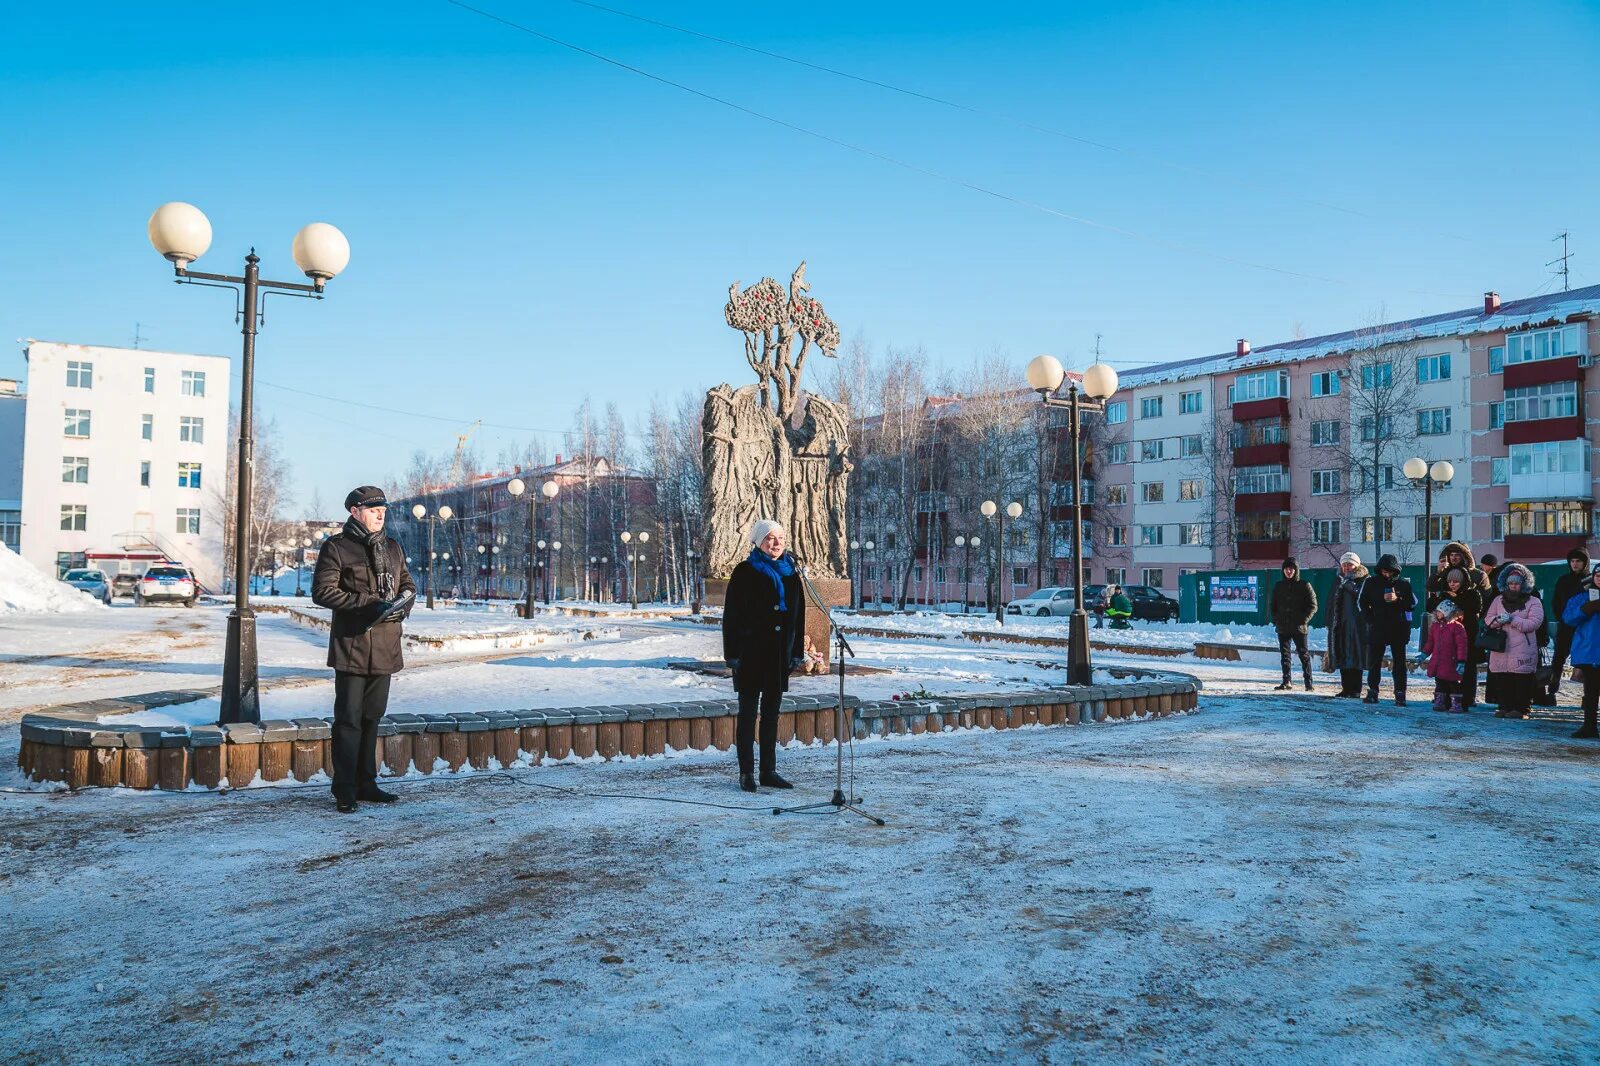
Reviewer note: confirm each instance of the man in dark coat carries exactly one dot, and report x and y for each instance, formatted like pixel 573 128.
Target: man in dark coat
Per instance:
pixel 1387 602
pixel 1568 585
pixel 1347 629
pixel 763 642
pixel 1294 603
pixel 361 577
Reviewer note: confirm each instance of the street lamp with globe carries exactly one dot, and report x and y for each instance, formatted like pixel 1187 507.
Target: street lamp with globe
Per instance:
pixel 1013 510
pixel 443 514
pixel 516 486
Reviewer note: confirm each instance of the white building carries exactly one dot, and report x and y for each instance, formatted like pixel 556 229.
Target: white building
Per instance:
pixel 13 414
pixel 124 459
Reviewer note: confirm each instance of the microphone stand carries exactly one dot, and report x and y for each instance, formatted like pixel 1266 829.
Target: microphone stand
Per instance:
pixel 838 800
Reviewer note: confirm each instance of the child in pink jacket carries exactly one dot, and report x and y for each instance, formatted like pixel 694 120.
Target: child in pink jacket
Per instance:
pixel 1518 612
pixel 1445 645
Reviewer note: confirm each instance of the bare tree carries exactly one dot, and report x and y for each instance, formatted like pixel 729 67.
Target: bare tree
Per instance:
pixel 1382 390
pixel 270 491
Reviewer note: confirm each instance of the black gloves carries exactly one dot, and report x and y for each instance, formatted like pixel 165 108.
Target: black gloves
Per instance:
pixel 1591 606
pixel 390 610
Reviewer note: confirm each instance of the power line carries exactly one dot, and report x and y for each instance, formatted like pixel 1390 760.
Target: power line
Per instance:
pixel 998 116
pixel 915 168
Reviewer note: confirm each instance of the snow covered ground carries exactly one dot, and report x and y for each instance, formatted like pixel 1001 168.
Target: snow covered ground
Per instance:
pixel 1293 878
pixel 1150 634
pixel 24 590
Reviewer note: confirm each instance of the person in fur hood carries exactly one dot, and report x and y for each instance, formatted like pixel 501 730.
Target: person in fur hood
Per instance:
pixel 1517 612
pixel 1347 630
pixel 1456 556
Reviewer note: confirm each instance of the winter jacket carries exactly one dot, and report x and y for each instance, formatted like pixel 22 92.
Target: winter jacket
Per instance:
pixel 344 583
pixel 1436 588
pixel 1445 644
pixel 1388 621
pixel 1469 608
pixel 1569 585
pixel 1347 628
pixel 1585 625
pixel 1294 602
pixel 763 640
pixel 1119 610
pixel 1522 648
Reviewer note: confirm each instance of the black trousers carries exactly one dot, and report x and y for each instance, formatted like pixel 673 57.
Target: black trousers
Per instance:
pixel 359 700
pixel 1469 685
pixel 1350 682
pixel 1299 641
pixel 745 732
pixel 1559 661
pixel 1515 692
pixel 1396 647
pixel 1591 694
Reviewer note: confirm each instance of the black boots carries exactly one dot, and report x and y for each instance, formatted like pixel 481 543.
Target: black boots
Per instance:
pixel 1371 696
pixel 771 779
pixel 345 804
pixel 371 793
pixel 1283 687
pixel 747 781
pixel 1308 683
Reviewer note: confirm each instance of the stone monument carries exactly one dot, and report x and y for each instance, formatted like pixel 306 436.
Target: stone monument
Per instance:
pixel 774 451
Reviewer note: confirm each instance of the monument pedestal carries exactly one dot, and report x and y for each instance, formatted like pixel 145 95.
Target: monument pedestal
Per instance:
pixel 835 592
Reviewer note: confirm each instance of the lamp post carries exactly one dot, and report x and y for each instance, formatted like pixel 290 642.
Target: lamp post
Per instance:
pixel 1045 375
pixel 483 568
pixel 633 561
pixel 966 547
pixel 855 593
pixel 992 510
pixel 550 570
pixel 605 578
pixel 694 581
pixel 516 486
pixel 1440 472
pixel 300 569
pixel 869 545
pixel 420 513
pixel 182 233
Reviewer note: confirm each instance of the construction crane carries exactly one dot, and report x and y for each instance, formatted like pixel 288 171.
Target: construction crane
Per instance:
pixel 458 468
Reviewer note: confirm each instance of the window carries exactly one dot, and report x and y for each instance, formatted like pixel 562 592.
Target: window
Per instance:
pixel 1433 368
pixel 1497 363
pixel 1377 376
pixel 1151 577
pixel 1117 452
pixel 194 382
pixel 147 427
pixel 1116 412
pixel 1261 527
pixel 1150 407
pixel 1153 491
pixel 1497 527
pixel 1540 519
pixel 1326 434
pixel 11 529
pixel 1497 415
pixel 75 469
pixel 888 543
pixel 1116 575
pixel 1017 538
pixel 916 574
pixel 1150 534
pixel 1325 482
pixel 80 375
pixel 1190 489
pixel 1384 479
pixel 188 521
pixel 192 429
pixel 69 561
pixel 1561 342
pixel 1192 446
pixel 1116 494
pixel 1191 533
pixel 1500 472
pixel 1433 421
pixel 1441 527
pixel 1265 385
pixel 75 517
pixel 188 475
pixel 1151 451
pixel 1327 531
pixel 1019 575
pixel 144 474
pixel 872 572
pixel 1117 535
pixel 1386 525
pixel 1190 403
pixel 1325 384
pixel 1372 427
pixel 1260 431
pixel 1557 399
pixel 77 422
pixel 1550 457
pixel 1248 479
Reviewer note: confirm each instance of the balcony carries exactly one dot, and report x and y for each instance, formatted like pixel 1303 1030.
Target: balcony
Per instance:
pixel 1250 410
pixel 1539 430
pixel 1255 550
pixel 1542 372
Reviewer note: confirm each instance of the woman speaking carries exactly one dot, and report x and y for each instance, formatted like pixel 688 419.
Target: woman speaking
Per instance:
pixel 763 641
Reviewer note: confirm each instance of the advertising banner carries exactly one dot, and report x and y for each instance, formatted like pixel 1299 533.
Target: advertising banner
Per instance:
pixel 1235 593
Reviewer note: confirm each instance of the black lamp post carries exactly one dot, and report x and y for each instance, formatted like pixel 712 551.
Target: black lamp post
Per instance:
pixel 992 510
pixel 516 486
pixel 1045 375
pixel 966 544
pixel 635 557
pixel 856 592
pixel 181 233
pixel 1440 472
pixel 443 514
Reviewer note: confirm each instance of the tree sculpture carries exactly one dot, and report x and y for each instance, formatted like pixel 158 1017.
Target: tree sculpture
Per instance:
pixel 771 450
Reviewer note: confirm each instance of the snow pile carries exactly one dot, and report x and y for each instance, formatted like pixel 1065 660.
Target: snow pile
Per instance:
pixel 24 590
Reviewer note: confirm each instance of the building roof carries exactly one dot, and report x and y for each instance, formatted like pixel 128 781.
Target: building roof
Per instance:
pixel 29 342
pixel 1515 314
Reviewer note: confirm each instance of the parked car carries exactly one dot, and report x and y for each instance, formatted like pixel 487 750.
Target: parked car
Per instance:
pixel 1151 604
pixel 166 584
pixel 1056 602
pixel 91 581
pixel 124 584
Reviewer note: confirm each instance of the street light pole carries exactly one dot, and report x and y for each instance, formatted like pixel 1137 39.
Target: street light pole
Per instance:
pixel 966 569
pixel 420 513
pixel 1045 375
pixel 182 234
pixel 516 486
pixel 1442 471
pixel 992 510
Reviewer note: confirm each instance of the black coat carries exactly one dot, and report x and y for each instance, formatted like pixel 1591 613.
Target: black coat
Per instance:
pixel 345 584
pixel 1293 605
pixel 1347 627
pixel 1568 585
pixel 1386 621
pixel 761 638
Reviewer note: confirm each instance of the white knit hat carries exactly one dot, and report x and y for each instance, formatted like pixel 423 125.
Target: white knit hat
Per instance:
pixel 759 531
pixel 1350 557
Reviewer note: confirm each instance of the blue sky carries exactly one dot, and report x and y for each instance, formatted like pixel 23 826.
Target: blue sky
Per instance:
pixel 530 226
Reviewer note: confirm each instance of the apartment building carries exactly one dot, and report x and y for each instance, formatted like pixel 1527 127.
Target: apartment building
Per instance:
pixel 124 458
pixel 1298 448
pixel 13 416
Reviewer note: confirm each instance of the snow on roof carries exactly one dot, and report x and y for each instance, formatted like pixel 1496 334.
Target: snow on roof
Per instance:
pixel 1517 314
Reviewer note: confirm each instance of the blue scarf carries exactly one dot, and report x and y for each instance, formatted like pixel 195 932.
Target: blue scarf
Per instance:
pixel 776 569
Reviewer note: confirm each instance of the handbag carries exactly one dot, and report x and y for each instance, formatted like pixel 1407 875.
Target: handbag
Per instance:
pixel 1489 639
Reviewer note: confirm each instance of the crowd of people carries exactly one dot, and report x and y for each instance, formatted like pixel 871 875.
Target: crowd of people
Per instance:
pixel 1477 618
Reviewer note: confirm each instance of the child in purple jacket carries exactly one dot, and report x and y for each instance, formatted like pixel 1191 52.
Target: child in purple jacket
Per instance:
pixel 1445 645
